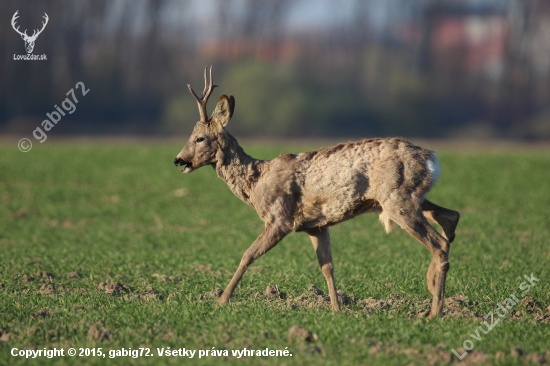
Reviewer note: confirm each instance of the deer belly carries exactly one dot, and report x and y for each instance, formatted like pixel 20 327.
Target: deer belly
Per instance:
pixel 319 213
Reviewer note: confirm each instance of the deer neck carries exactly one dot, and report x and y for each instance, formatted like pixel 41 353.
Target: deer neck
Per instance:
pixel 237 169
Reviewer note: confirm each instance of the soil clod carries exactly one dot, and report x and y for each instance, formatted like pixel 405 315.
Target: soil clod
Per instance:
pixel 47 289
pixel 297 333
pixel 458 305
pixel 529 304
pixel 315 290
pixel 73 274
pixel 47 276
pixel 113 288
pixel 272 291
pixel 161 277
pixel 217 293
pixel 4 335
pixel 42 313
pixel 516 352
pixel 77 307
pixel 371 305
pixel 27 279
pixel 97 333
pixel 344 298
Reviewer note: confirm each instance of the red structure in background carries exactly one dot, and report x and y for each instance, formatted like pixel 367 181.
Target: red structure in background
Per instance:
pixel 472 40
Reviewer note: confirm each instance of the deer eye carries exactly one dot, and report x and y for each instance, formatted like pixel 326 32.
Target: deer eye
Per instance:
pixel 199 139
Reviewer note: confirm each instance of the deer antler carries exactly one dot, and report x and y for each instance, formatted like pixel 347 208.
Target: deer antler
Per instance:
pixel 35 35
pixel 13 20
pixel 208 87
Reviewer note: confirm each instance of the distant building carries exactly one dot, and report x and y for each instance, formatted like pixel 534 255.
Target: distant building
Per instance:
pixel 466 39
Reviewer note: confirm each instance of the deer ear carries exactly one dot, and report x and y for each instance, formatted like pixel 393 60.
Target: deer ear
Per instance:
pixel 224 109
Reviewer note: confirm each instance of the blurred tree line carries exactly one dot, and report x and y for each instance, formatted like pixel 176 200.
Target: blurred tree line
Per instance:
pixel 431 68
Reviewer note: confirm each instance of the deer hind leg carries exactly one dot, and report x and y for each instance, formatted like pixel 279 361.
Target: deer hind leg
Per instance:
pixel 413 221
pixel 270 237
pixel 447 219
pixel 320 238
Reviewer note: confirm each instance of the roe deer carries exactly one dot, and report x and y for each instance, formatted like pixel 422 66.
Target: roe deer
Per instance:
pixel 313 190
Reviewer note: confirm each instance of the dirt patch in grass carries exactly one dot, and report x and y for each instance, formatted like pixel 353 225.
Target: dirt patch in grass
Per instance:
pixel 529 304
pixel 531 307
pixel 472 358
pixel 216 294
pixel 42 313
pixel 47 289
pixel 430 355
pixel 165 278
pixel 98 333
pixel 203 268
pixel 304 340
pixel 371 305
pixel 115 288
pixel 4 335
pixel 460 306
pixel 537 359
pixel 516 354
pixel 47 276
pixel 300 334
pixel 73 274
pixel 457 306
pixel 26 279
pixel 272 292
pixel 149 295
pixel 78 307
pixel 313 297
pixel 543 317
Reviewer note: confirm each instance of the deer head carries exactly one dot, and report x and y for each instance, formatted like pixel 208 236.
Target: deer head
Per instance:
pixel 29 41
pixel 203 147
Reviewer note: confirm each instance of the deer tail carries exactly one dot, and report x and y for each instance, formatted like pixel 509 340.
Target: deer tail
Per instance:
pixel 386 221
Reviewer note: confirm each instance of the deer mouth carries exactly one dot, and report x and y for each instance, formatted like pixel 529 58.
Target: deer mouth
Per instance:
pixel 188 168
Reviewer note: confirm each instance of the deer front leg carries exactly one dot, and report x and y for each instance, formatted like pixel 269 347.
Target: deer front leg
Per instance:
pixel 320 238
pixel 271 235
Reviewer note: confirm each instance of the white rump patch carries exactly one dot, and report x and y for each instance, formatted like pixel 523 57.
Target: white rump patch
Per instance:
pixel 432 164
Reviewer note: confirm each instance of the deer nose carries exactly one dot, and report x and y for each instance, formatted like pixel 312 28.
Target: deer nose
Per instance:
pixel 178 162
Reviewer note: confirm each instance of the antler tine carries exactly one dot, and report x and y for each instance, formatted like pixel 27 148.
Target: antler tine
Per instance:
pixel 13 20
pixel 208 87
pixel 46 18
pixel 206 81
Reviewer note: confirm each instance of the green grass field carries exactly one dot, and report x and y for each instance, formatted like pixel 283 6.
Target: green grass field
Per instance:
pixel 109 245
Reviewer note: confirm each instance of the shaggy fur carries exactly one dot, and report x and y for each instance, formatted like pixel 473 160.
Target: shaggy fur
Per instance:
pixel 313 190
